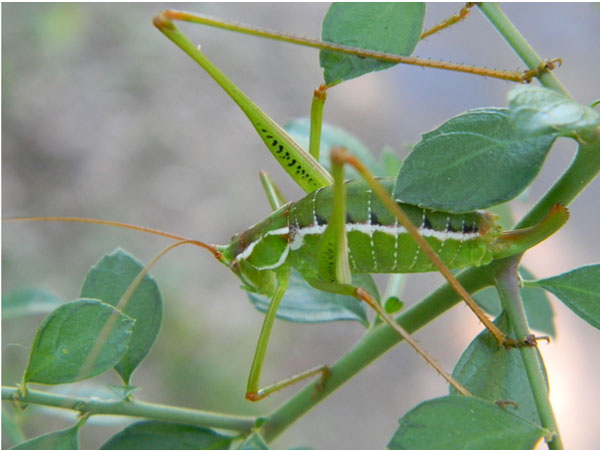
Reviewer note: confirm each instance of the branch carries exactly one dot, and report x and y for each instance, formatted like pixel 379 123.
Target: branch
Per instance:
pixel 95 406
pixel 508 285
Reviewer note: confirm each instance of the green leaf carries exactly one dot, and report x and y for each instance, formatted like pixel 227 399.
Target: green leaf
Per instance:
pixel 28 302
pixel 58 440
pixel 385 27
pixel 494 373
pixel 155 435
pixel 539 110
pixel 465 423
pixel 63 342
pixel 391 162
pixel 392 305
pixel 303 303
pixel 579 289
pixel 332 137
pixel 108 280
pixel 538 308
pixel 254 442
pixel 472 161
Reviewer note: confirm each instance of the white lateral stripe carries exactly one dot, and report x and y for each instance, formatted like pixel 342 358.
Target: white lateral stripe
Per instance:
pixel 298 234
pixel 278 231
pixel 369 229
pixel 248 250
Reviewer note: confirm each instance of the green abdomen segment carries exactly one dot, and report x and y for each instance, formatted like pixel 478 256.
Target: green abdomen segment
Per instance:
pixel 378 244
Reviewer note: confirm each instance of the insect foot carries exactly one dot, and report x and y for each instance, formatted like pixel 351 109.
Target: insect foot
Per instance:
pixel 320 385
pixel 530 340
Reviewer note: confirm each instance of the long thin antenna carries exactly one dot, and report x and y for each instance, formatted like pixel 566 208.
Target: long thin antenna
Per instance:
pixel 210 247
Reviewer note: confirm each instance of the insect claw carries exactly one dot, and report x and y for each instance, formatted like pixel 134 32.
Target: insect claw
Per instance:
pixel 320 385
pixel 530 340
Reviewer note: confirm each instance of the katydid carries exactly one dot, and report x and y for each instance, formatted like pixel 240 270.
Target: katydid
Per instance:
pixel 346 229
pixel 325 241
pixel 340 229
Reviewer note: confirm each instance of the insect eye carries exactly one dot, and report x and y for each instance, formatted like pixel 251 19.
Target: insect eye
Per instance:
pixel 235 267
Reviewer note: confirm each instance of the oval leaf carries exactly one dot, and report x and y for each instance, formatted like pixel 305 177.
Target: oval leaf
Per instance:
pixel 579 290
pixel 155 435
pixel 472 161
pixel 108 280
pixel 385 27
pixel 331 137
pixel 303 303
pixel 59 440
pixel 27 302
pixel 496 374
pixel 61 348
pixel 539 110
pixel 458 422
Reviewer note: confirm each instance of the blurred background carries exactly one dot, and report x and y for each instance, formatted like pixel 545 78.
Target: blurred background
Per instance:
pixel 105 118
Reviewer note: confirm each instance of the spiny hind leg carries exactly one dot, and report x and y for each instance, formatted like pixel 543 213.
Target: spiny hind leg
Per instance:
pixel 334 270
pixel 362 295
pixel 339 157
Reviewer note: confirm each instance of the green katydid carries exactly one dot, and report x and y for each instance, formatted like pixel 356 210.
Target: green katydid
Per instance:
pixel 327 240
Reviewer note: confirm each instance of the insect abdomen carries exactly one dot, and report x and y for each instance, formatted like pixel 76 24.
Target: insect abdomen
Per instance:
pixel 378 244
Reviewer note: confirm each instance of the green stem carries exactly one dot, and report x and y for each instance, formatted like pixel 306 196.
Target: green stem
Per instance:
pixel 94 406
pixel 395 285
pixel 519 44
pixel 374 343
pixel 508 285
pixel 581 172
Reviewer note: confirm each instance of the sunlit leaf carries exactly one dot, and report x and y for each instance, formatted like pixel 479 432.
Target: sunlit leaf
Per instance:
pixel 385 27
pixel 459 422
pixel 472 161
pixel 108 280
pixel 61 349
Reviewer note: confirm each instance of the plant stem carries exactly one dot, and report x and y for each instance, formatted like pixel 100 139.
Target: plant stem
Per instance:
pixel 508 285
pixel 95 406
pixel 518 43
pixel 374 343
pixel 581 172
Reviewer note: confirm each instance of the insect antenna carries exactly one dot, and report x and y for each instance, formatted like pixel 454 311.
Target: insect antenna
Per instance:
pixel 210 247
